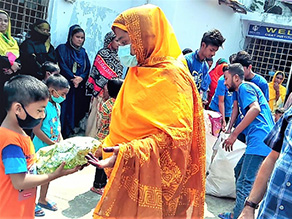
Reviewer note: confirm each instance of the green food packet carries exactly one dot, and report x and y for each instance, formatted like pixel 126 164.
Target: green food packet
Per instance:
pixel 71 150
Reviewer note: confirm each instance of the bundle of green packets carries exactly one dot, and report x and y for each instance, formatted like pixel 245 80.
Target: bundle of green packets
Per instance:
pixel 71 150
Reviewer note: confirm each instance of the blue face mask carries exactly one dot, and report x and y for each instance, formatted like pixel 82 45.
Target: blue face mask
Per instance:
pixel 59 99
pixel 125 56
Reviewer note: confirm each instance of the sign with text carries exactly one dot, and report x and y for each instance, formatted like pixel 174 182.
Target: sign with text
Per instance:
pixel 276 33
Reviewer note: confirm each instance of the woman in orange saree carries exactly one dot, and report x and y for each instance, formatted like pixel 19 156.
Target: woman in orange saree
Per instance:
pixel 157 128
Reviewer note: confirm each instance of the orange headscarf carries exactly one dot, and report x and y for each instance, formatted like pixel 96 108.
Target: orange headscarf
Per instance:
pixel 157 121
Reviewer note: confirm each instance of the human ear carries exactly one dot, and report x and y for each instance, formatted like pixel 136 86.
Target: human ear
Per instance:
pixel 236 78
pixel 16 108
pixel 51 91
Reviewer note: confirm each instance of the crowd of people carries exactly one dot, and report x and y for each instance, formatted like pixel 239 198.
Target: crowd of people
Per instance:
pixel 152 159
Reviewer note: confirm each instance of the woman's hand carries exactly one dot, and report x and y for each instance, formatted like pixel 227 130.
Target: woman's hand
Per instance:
pixel 109 162
pixel 76 81
pixel 15 67
pixel 7 71
pixel 276 87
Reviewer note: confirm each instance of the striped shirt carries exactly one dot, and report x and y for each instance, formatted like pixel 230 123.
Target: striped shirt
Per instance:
pixel 277 203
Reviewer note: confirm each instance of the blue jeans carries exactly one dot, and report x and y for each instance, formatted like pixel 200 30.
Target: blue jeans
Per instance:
pixel 245 173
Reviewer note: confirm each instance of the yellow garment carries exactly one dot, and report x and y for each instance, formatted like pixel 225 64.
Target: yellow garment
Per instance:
pixel 7 43
pixel 272 94
pixel 158 123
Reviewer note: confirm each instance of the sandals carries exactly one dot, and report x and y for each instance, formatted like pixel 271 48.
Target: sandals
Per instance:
pixel 52 206
pixel 38 211
pixel 98 191
pixel 227 215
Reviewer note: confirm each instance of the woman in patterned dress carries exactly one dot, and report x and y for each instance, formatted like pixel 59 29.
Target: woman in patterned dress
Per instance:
pixel 156 132
pixel 105 67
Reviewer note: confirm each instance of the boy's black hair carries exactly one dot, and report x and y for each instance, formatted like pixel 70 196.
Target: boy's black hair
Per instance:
pixel 24 89
pixel 235 69
pixel 243 58
pixel 186 51
pixel 231 58
pixel 114 86
pixel 213 37
pixel 57 81
pixel 50 67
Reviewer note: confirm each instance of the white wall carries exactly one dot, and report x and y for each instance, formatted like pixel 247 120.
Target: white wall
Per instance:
pixel 190 19
pixel 94 16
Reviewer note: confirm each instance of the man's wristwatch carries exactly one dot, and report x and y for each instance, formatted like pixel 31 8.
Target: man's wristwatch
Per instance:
pixel 250 204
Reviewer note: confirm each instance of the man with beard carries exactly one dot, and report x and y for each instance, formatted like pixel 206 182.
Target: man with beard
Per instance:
pixel 257 123
pixel 245 60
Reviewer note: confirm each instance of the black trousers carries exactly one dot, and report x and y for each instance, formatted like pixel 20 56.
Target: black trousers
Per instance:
pixel 100 179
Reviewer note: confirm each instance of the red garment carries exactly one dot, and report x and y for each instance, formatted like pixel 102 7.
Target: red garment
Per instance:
pixel 215 74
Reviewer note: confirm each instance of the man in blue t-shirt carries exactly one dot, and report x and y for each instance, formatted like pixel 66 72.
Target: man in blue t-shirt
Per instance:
pixel 210 43
pixel 245 60
pixel 222 102
pixel 257 122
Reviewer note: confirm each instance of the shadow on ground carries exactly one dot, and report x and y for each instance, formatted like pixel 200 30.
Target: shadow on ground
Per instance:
pixel 217 205
pixel 81 205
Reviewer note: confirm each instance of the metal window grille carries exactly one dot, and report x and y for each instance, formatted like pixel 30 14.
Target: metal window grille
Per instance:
pixel 23 13
pixel 270 56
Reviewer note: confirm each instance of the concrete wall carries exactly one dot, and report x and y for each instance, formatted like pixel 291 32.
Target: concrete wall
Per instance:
pixel 190 19
pixel 94 16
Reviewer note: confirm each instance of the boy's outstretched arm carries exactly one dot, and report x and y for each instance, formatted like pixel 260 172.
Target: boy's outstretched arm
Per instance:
pixel 26 181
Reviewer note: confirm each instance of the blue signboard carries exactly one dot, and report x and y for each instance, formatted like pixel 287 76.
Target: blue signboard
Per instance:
pixel 276 33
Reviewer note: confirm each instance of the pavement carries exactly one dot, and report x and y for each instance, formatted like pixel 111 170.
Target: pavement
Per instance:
pixel 75 200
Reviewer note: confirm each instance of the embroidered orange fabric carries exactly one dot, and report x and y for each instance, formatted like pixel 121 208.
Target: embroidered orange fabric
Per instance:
pixel 157 121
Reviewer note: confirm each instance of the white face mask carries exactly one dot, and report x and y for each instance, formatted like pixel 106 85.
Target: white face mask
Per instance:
pixel 125 56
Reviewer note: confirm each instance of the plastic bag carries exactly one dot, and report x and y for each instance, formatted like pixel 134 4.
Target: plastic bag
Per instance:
pixel 216 122
pixel 210 139
pixel 220 181
pixel 71 150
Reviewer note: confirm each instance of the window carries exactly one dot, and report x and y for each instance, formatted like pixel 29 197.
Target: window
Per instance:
pixel 23 13
pixel 270 56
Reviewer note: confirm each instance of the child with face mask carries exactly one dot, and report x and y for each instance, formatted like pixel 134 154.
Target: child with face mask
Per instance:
pixel 48 132
pixel 25 101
